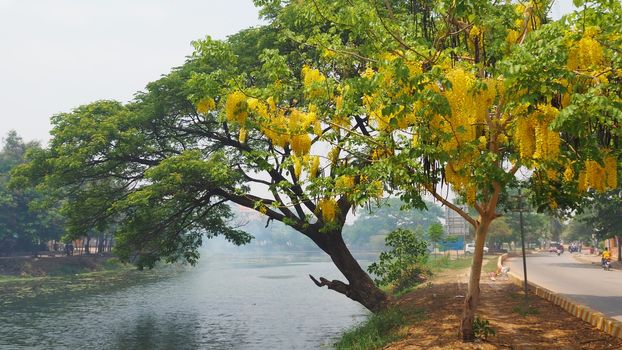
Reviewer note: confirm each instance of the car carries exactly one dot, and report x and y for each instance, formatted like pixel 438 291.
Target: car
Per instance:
pixel 470 248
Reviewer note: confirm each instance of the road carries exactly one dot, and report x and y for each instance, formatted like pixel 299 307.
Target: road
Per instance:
pixel 587 284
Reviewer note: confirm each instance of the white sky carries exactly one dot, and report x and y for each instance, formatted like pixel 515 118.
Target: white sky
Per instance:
pixel 58 54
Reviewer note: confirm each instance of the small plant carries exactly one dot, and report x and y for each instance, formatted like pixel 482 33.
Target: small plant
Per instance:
pixel 482 328
pixel 524 311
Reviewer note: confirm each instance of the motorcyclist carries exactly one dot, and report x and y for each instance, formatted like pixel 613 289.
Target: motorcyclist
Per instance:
pixel 606 258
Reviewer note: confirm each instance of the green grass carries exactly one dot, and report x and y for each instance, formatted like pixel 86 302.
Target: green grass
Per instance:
pixel 446 263
pixel 378 330
pixel 524 311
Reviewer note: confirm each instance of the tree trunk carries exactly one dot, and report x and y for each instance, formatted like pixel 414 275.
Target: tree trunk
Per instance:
pixel 619 248
pixel 360 286
pixel 471 300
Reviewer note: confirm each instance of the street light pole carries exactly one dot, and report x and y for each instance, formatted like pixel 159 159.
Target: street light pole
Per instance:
pixel 522 240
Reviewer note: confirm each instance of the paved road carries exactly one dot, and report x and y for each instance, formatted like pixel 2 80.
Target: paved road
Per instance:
pixel 587 284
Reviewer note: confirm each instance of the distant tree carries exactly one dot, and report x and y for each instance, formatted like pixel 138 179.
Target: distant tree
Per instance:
pixel 436 234
pixel 389 217
pixel 22 226
pixel 604 216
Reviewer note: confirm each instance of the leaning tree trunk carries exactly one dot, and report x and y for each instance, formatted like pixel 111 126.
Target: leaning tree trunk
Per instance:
pixel 472 298
pixel 360 286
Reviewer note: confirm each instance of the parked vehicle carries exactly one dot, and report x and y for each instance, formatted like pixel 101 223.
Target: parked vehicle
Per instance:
pixel 470 248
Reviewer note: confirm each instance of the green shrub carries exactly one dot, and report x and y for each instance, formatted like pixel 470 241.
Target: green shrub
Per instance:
pixel 407 257
pixel 482 329
pixel 411 276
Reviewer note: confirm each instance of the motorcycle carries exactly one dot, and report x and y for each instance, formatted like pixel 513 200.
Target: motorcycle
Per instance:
pixel 606 265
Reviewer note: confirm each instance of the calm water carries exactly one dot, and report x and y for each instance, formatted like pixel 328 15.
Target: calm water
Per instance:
pixel 234 303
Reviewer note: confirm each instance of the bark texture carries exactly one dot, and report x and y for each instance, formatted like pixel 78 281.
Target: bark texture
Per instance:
pixel 471 300
pixel 359 287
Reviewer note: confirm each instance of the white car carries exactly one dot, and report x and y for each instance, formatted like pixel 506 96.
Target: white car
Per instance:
pixel 470 248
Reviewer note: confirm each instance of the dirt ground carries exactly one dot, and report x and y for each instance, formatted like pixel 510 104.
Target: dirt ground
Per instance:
pixel 547 326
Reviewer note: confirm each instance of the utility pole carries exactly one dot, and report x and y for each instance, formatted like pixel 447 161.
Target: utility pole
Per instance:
pixel 520 210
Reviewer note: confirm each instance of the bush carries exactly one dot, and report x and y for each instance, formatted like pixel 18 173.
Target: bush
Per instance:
pixel 404 262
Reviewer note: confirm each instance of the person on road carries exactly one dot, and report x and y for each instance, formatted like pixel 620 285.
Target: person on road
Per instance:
pixel 606 256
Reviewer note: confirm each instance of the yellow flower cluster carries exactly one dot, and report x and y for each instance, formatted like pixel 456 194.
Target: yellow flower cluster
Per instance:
pixel 381 153
pixel 283 126
pixel 475 32
pixel 533 136
pixel 344 183
pixel 315 165
pixel 469 108
pixel 301 144
pixel 587 53
pixel 237 108
pixel 297 166
pixel 312 78
pixel 458 176
pixel 206 105
pixel 328 209
pixel 598 177
pixel 242 136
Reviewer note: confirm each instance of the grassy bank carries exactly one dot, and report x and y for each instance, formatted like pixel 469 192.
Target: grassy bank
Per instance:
pixel 389 326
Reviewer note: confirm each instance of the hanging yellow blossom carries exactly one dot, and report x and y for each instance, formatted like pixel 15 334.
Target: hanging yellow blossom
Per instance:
pixel 586 53
pixel 594 175
pixel 333 155
pixel 297 166
pixel 312 78
pixel 569 173
pixel 315 165
pixel 237 107
pixel 368 73
pixel 344 183
pixel 328 209
pixel 206 105
pixel 301 144
pixel 474 32
pixel 242 136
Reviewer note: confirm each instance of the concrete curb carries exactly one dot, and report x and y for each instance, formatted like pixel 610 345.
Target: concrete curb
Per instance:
pixel 589 315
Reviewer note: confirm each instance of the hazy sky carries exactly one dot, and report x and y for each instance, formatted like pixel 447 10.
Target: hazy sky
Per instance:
pixel 58 54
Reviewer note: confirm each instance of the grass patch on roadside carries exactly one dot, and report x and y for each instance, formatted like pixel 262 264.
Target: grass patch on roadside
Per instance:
pixel 445 262
pixel 379 330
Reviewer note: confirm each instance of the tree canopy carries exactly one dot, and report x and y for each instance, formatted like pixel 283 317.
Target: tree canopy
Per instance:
pixel 334 104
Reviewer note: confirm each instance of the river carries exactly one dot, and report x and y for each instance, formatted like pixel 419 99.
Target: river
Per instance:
pixel 226 302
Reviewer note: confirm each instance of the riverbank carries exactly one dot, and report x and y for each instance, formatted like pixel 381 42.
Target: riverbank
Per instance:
pixel 22 279
pixel 55 266
pixel 432 319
